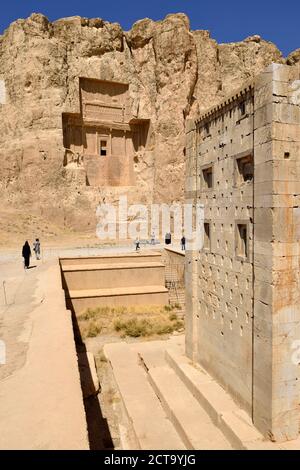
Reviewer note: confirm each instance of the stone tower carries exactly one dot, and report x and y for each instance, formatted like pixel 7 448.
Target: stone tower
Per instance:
pixel 243 292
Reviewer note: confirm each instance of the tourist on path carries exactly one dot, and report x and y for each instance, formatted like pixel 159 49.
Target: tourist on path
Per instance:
pixel 37 248
pixel 26 253
pixel 153 238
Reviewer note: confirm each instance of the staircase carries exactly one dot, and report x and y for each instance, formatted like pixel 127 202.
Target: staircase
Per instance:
pixel 173 404
pixel 124 279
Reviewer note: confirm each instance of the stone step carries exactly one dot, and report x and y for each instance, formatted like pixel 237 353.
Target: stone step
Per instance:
pixel 101 276
pixel 190 420
pixel 153 353
pixel 151 427
pixel 117 291
pixel 202 413
pixel 234 422
pixel 110 259
pixel 80 300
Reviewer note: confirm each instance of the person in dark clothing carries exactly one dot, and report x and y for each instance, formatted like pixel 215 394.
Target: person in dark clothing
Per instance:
pixel 183 242
pixel 168 238
pixel 26 253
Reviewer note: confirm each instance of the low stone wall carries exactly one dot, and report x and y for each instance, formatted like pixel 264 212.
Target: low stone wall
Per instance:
pixel 120 279
pixel 41 404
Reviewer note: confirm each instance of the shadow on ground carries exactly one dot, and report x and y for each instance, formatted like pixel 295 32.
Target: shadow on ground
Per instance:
pixel 98 430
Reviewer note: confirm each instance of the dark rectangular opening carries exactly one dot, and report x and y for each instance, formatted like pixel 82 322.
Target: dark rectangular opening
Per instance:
pixel 207 176
pixel 242 108
pixel 242 241
pixel 244 169
pixel 207 235
pixel 206 129
pixel 103 148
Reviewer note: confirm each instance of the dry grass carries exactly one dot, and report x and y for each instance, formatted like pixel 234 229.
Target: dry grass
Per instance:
pixel 138 321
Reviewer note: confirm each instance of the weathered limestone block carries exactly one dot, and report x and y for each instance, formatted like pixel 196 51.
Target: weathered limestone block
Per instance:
pixel 248 272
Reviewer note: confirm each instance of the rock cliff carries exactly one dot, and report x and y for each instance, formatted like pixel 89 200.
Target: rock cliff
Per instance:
pixel 172 73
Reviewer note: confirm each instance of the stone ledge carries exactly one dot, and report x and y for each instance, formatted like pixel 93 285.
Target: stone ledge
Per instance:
pixel 151 427
pixel 41 406
pixel 135 290
pixel 234 422
pixel 190 420
pixel 112 266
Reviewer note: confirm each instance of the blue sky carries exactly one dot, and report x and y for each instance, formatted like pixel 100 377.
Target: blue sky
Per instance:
pixel 228 20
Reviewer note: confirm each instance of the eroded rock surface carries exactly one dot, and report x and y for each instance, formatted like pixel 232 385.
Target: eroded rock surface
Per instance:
pixel 172 73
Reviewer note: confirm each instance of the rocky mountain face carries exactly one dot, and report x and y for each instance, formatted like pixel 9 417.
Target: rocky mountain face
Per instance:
pixel 172 72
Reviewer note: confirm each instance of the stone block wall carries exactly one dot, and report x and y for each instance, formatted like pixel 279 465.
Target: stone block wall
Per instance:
pixel 242 286
pixel 276 246
pixel 191 255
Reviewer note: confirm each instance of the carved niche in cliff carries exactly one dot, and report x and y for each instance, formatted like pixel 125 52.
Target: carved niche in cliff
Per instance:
pixel 104 137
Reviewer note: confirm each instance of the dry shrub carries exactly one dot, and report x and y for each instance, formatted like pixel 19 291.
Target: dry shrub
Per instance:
pixel 135 321
pixel 93 330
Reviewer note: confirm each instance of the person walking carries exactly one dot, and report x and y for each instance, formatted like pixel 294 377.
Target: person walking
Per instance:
pixel 183 242
pixel 37 248
pixel 26 253
pixel 153 238
pixel 137 244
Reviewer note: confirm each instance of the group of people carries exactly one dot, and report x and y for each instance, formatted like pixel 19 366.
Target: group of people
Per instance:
pixel 26 252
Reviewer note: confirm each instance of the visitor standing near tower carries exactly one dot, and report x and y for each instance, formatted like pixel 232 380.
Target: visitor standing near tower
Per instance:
pixel 37 248
pixel 26 253
pixel 183 242
pixel 168 238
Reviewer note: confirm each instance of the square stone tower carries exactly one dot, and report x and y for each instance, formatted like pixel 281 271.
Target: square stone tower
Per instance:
pixel 243 286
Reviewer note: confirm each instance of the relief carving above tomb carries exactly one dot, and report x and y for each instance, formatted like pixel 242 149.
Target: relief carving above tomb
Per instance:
pixel 104 138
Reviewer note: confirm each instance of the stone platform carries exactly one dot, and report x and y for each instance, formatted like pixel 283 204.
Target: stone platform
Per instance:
pixel 173 404
pixel 135 257
pixel 121 279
